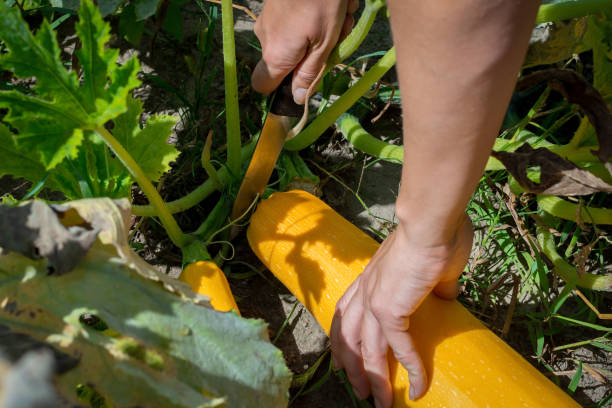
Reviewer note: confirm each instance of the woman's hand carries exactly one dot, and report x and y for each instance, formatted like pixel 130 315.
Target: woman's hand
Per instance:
pixel 298 35
pixel 374 312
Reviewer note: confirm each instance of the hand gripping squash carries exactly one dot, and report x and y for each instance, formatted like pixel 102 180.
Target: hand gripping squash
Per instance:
pixel 317 254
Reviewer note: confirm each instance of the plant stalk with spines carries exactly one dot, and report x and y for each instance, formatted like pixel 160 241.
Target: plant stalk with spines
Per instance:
pixel 232 113
pixel 161 210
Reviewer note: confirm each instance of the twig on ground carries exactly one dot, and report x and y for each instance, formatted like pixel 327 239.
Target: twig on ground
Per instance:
pixel 238 7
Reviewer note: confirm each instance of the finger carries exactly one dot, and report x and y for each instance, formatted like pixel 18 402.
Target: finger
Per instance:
pixel 267 77
pixel 336 321
pixel 352 6
pixel 347 346
pixel 307 71
pixel 405 352
pixel 374 352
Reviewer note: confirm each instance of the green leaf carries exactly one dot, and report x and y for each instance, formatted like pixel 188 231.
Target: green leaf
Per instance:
pixel 99 67
pixel 49 120
pixel 599 37
pixel 145 8
pixel 129 27
pixel 575 379
pixel 173 23
pixel 108 6
pixel 17 163
pixel 39 57
pixel 137 343
pixel 149 146
pixel 25 164
pixel 67 4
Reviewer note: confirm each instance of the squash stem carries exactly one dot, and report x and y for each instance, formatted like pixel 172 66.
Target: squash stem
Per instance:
pixel 566 10
pixel 350 44
pixel 159 207
pixel 568 272
pixel 569 211
pixel 327 118
pixel 232 113
pixel 200 193
pixel 352 130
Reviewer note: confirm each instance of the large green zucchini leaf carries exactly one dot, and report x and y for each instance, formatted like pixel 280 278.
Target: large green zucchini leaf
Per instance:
pixel 135 342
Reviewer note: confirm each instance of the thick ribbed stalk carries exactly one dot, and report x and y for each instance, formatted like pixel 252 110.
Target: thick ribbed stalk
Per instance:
pixel 327 118
pixel 170 225
pixel 232 113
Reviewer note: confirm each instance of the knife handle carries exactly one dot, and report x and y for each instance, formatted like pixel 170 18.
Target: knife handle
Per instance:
pixel 282 100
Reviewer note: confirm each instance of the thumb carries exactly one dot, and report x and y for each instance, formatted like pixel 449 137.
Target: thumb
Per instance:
pixel 306 72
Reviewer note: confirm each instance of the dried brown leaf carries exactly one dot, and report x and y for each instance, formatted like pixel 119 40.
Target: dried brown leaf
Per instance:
pixel 557 175
pixel 578 90
pixel 580 259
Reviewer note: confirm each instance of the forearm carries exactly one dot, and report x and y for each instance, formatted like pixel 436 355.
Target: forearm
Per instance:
pixel 457 66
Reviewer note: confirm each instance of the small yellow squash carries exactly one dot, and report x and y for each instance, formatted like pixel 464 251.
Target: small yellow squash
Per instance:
pixel 206 278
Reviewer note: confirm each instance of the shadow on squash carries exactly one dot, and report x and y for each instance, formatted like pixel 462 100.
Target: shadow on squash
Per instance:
pixel 317 254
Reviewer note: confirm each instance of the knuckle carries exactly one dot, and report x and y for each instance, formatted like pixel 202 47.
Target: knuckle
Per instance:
pixel 307 75
pixel 409 359
pixel 379 308
pixel 371 354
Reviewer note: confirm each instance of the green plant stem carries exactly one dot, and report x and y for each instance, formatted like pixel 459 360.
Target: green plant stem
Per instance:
pixel 569 211
pixel 160 209
pixel 566 271
pixel 327 118
pixel 232 114
pixel 200 193
pixel 569 9
pixel 350 44
pixel 575 155
pixel 362 140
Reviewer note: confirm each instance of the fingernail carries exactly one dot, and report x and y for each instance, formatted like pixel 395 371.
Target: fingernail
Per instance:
pixel 411 393
pixel 299 95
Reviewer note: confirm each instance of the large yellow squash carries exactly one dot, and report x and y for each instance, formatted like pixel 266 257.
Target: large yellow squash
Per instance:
pixel 317 254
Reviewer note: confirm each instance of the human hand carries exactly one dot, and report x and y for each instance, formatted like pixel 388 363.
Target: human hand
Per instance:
pixel 298 36
pixel 374 312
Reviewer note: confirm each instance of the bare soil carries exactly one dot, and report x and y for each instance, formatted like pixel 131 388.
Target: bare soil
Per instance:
pixel 262 296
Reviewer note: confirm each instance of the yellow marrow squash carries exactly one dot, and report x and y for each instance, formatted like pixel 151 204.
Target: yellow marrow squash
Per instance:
pixel 317 254
pixel 206 278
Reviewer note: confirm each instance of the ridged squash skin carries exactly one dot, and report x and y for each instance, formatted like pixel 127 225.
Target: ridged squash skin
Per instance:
pixel 206 278
pixel 317 254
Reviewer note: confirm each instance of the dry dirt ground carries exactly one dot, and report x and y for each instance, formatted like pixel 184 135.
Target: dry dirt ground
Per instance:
pixel 262 296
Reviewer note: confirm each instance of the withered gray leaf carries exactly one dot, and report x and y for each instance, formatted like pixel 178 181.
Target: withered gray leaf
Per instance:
pixel 557 175
pixel 578 90
pixel 34 230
